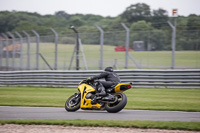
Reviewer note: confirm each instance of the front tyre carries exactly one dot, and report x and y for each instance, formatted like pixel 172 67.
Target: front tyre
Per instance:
pixel 73 103
pixel 118 105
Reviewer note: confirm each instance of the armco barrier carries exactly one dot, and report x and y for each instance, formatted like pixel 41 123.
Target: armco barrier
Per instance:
pixel 178 78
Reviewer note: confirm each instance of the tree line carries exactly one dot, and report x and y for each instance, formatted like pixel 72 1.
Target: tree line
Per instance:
pixel 138 17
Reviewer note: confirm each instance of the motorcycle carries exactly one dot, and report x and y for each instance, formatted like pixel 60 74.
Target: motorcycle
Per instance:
pixel 113 102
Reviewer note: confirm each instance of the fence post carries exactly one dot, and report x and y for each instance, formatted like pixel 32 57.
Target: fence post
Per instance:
pixel 173 43
pixel 37 48
pixel 56 47
pixel 1 52
pixel 127 44
pixel 101 43
pixel 21 50
pixel 7 54
pixel 13 50
pixel 77 46
pixel 28 49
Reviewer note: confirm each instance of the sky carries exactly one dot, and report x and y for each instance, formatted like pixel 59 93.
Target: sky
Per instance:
pixel 104 8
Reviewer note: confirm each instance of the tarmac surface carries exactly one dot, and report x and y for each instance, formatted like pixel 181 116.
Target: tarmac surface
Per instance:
pixel 14 112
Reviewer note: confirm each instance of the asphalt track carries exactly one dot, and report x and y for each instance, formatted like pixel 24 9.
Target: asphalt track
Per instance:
pixel 10 112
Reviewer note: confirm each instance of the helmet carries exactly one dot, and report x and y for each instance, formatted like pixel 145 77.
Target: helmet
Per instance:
pixel 109 69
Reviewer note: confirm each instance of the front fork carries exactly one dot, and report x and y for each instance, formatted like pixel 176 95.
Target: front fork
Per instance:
pixel 77 96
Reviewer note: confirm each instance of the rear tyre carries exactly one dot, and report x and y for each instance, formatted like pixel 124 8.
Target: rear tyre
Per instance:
pixel 118 105
pixel 73 103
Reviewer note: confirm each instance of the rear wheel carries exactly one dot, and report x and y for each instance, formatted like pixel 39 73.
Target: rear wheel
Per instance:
pixel 119 103
pixel 73 103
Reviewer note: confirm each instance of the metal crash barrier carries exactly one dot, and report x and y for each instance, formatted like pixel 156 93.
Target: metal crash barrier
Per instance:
pixel 176 78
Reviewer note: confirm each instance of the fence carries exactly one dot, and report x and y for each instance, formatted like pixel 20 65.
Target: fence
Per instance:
pixel 122 48
pixel 139 78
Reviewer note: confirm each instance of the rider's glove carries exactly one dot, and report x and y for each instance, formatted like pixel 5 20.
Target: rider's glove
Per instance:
pixel 89 79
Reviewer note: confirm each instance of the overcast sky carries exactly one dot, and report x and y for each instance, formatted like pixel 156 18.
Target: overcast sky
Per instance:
pixel 98 7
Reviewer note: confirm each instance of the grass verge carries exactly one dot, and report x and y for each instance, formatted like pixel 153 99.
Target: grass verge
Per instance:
pixel 170 125
pixel 146 99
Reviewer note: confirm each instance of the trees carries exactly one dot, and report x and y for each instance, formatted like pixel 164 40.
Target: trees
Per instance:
pixel 193 22
pixel 137 12
pixel 188 31
pixel 62 14
pixel 145 24
pixel 155 39
pixel 8 21
pixel 159 18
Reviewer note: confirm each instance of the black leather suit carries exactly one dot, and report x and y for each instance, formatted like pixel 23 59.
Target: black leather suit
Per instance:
pixel 111 78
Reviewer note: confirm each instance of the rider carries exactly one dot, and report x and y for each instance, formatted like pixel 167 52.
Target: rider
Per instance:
pixel 111 78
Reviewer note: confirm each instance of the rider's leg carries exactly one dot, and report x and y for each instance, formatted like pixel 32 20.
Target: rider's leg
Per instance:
pixel 101 90
pixel 101 86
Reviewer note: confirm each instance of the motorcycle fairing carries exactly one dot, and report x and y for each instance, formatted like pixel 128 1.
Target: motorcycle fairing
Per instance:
pixel 86 103
pixel 122 87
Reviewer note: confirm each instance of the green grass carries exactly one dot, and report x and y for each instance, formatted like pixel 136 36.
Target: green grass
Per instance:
pixel 147 59
pixel 170 125
pixel 34 96
pixel 151 99
pixel 164 99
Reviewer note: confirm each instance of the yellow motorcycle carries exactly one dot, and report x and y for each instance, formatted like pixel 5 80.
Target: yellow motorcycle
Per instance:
pixel 113 102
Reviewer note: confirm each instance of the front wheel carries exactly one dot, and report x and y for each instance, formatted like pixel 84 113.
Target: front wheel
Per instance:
pixel 73 103
pixel 118 105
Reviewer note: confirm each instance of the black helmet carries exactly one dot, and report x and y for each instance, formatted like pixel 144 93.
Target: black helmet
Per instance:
pixel 109 69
